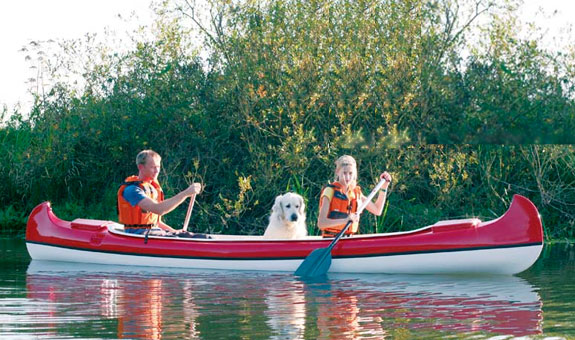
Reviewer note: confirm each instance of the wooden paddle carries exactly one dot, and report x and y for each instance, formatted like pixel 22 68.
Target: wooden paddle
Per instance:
pixel 317 263
pixel 189 213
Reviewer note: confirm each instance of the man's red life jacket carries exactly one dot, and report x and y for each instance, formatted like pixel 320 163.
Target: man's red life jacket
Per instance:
pixel 135 217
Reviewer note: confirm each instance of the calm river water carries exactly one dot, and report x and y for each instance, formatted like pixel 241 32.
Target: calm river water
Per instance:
pixel 43 300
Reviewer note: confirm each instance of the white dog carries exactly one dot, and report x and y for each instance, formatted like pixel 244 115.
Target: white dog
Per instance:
pixel 287 220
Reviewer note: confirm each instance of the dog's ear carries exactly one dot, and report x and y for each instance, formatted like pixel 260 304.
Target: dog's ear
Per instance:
pixel 301 205
pixel 278 207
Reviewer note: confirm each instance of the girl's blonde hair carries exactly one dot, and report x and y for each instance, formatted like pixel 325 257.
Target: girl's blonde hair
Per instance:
pixel 345 160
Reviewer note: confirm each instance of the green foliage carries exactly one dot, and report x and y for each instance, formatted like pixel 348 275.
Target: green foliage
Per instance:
pixel 283 88
pixel 12 221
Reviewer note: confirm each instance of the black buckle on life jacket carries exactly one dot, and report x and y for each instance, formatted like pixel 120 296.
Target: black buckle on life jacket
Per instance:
pixel 337 215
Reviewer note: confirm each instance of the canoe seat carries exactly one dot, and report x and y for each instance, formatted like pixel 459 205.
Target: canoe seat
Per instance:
pixel 93 225
pixel 450 225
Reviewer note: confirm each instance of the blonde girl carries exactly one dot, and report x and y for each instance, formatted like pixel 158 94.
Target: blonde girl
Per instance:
pixel 340 199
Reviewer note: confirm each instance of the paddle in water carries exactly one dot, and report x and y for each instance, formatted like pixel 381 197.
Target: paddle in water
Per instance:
pixel 317 263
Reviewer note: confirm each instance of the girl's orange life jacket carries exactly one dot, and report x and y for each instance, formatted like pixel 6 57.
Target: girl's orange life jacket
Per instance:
pixel 134 216
pixel 340 206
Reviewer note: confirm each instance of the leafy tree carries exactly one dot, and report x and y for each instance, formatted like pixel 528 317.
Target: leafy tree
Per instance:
pixel 255 98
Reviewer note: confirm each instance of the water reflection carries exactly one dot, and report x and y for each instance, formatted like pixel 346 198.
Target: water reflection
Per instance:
pixel 496 305
pixel 151 303
pixel 286 309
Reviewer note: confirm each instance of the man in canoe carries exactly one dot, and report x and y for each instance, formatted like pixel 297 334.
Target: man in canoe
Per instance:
pixel 340 199
pixel 141 202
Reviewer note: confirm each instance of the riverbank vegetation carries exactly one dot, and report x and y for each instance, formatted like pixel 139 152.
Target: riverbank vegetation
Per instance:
pixel 255 98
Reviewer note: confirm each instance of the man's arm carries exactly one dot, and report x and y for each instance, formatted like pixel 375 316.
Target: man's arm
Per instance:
pixel 166 206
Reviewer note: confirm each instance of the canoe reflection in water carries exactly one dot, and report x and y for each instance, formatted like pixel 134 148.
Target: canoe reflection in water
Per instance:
pixel 155 303
pixel 488 305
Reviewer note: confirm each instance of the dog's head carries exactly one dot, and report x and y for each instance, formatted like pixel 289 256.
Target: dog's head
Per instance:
pixel 289 207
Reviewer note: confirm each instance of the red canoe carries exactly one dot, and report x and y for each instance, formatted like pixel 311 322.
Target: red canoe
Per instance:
pixel 507 245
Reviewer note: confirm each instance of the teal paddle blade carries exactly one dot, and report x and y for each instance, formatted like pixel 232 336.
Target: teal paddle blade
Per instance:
pixel 317 263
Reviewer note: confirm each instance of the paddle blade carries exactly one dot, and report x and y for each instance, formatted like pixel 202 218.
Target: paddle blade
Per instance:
pixel 317 263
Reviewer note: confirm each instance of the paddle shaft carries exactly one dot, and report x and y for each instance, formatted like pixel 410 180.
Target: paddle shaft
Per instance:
pixel 189 213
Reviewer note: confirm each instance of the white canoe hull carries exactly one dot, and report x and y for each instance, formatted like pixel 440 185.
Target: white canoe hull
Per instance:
pixel 480 261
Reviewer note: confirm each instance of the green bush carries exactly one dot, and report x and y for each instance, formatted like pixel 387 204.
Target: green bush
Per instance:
pixel 12 221
pixel 286 88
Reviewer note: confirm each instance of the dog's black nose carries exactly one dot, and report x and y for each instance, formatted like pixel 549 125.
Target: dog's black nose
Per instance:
pixel 294 217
